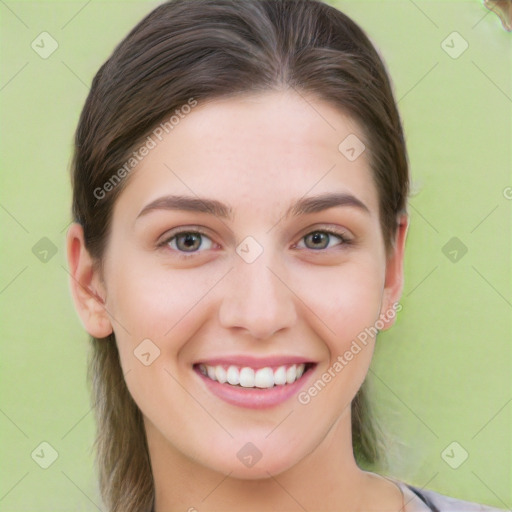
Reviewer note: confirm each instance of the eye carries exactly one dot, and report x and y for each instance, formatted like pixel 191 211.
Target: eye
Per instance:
pixel 192 241
pixel 321 239
pixel 187 241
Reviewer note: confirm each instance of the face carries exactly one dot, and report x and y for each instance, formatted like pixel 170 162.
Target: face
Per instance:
pixel 247 246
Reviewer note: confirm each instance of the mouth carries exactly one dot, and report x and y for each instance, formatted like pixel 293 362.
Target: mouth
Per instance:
pixel 253 384
pixel 249 377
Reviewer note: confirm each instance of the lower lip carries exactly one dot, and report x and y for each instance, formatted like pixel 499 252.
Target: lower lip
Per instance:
pixel 255 398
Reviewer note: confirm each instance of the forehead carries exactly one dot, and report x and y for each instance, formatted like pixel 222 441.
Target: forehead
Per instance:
pixel 263 149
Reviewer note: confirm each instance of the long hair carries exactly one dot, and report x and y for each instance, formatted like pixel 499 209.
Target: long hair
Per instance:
pixel 206 50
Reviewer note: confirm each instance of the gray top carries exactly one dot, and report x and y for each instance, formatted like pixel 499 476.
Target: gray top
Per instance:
pixel 425 500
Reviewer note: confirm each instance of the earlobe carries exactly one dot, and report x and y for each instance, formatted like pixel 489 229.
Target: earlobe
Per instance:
pixel 394 275
pixel 86 285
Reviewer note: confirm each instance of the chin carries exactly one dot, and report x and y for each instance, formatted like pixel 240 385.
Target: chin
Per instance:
pixel 249 463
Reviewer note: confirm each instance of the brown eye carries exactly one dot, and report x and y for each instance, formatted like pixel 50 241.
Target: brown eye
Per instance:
pixel 188 241
pixel 318 240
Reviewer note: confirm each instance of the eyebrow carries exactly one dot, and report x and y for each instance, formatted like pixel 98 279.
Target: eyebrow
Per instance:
pixel 187 203
pixel 303 206
pixel 323 202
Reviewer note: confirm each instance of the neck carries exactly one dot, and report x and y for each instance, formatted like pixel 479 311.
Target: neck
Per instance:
pixel 328 478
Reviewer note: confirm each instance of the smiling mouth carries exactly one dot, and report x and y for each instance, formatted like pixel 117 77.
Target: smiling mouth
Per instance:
pixel 259 378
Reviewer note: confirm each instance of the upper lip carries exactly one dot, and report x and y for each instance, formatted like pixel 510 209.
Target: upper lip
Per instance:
pixel 255 362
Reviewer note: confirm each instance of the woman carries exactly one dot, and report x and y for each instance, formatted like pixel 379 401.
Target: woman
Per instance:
pixel 240 182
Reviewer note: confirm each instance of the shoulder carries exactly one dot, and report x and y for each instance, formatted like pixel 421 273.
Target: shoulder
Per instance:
pixel 442 503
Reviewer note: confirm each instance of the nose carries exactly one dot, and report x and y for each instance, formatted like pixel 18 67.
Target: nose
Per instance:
pixel 257 299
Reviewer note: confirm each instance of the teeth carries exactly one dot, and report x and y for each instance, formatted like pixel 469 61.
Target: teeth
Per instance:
pixel 220 374
pixel 250 378
pixel 291 374
pixel 264 378
pixel 210 372
pixel 247 377
pixel 280 376
pixel 233 375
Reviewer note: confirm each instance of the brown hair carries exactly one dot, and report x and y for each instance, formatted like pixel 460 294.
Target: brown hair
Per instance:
pixel 208 49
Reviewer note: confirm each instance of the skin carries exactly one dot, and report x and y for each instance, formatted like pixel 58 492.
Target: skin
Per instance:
pixel 258 154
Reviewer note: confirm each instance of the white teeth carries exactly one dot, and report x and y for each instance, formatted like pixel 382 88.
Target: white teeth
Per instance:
pixel 249 378
pixel 291 374
pixel 280 376
pixel 220 374
pixel 233 375
pixel 264 378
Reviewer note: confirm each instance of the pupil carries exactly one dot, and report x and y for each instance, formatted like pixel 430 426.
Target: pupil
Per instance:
pixel 190 240
pixel 318 237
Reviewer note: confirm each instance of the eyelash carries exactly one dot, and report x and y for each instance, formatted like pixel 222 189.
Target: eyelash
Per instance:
pixel 175 234
pixel 196 231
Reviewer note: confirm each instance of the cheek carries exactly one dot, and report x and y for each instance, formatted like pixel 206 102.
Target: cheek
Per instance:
pixel 348 303
pixel 161 306
pixel 146 300
pixel 346 299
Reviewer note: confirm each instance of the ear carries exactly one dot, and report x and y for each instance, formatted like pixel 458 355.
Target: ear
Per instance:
pixel 86 285
pixel 394 275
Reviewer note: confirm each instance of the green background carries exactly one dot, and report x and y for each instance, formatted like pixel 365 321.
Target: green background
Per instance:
pixel 442 374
